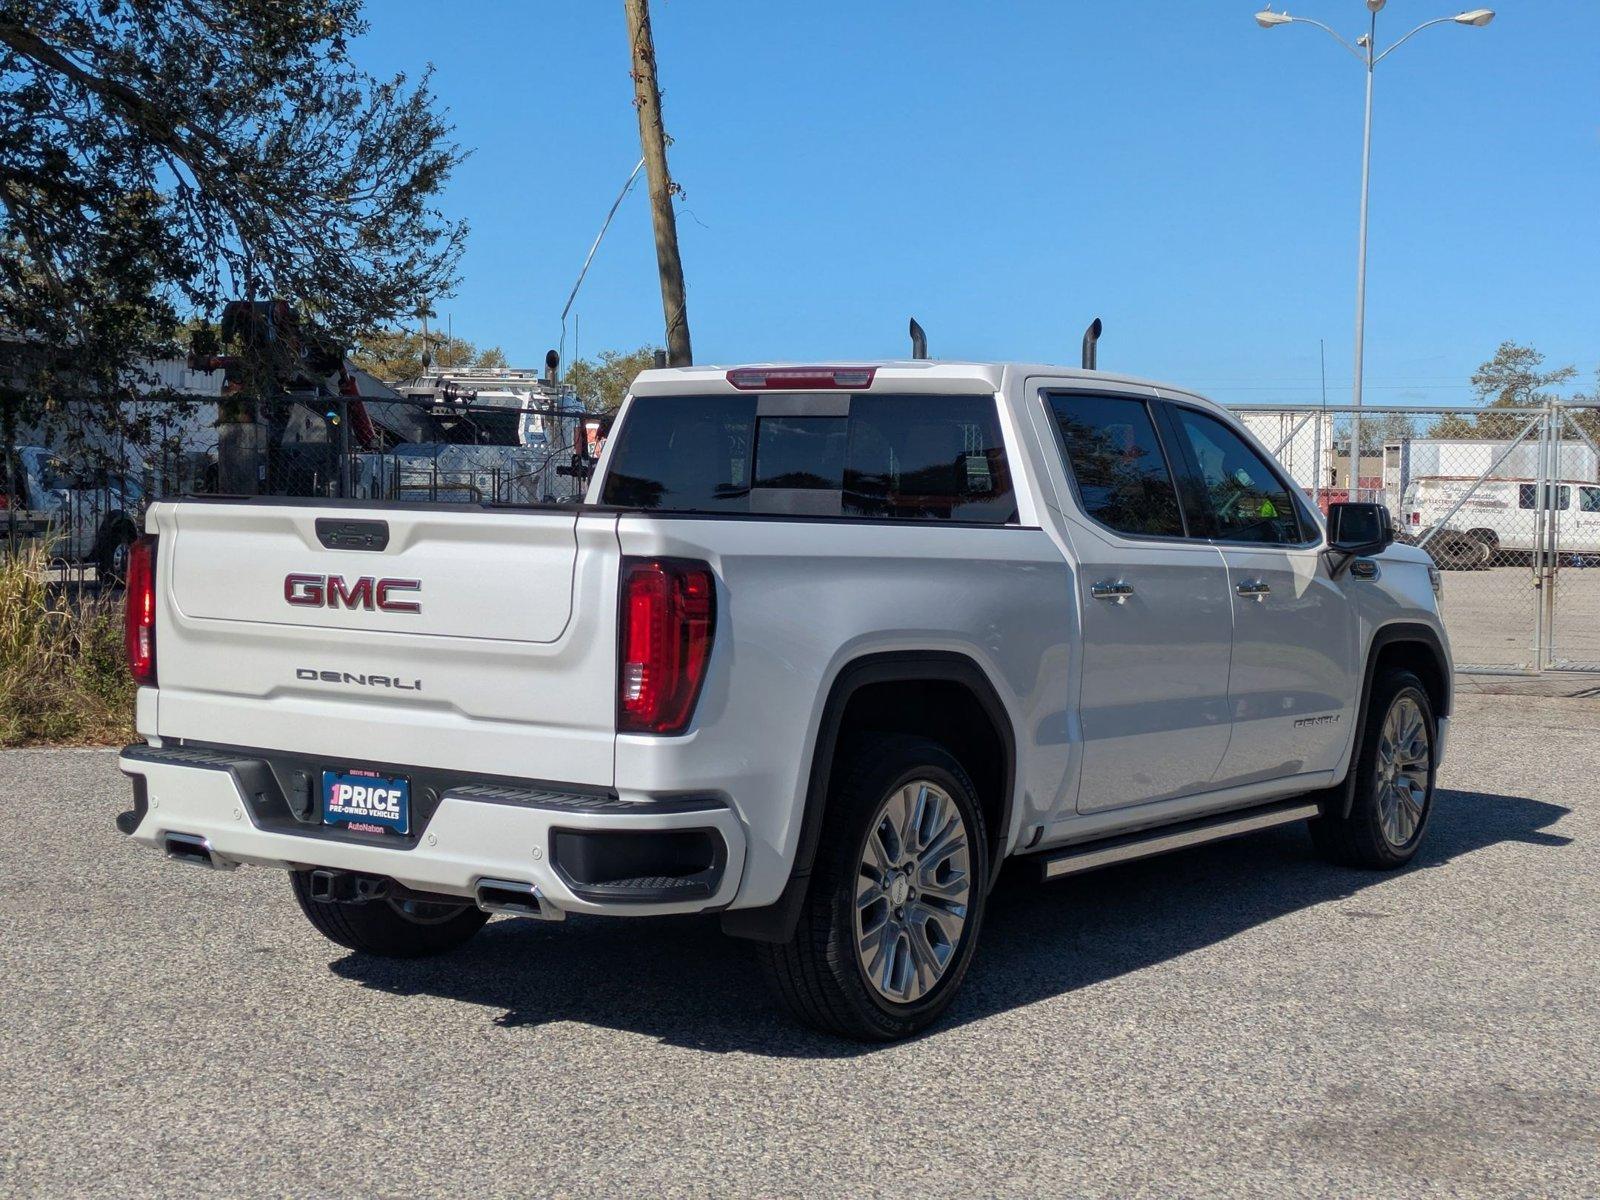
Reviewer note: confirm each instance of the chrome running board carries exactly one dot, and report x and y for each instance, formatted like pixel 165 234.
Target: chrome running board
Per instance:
pixel 1089 856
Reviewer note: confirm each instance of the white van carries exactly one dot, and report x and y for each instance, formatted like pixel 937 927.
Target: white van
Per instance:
pixel 1498 518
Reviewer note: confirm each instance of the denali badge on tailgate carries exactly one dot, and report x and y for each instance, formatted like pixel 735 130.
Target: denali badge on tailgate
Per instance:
pixel 331 591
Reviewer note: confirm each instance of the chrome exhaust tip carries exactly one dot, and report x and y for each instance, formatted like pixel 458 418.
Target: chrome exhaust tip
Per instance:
pixel 517 898
pixel 192 848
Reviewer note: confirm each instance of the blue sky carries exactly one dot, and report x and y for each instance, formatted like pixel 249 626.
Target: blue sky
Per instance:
pixel 1007 170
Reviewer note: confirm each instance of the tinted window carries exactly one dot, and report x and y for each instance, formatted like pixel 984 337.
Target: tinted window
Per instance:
pixel 1117 461
pixel 684 453
pixel 909 457
pixel 1525 494
pixel 1242 495
pixel 927 457
pixel 800 452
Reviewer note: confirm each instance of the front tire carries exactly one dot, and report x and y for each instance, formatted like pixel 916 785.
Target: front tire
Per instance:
pixel 897 895
pixel 1395 767
pixel 389 927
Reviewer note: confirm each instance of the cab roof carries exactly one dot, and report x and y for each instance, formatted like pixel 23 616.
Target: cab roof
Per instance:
pixel 936 375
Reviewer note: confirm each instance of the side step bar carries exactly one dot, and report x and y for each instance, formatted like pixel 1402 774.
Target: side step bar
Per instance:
pixel 1090 856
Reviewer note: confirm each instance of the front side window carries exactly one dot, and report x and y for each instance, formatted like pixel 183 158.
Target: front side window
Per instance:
pixel 892 456
pixel 1589 500
pixel 1116 459
pixel 1243 497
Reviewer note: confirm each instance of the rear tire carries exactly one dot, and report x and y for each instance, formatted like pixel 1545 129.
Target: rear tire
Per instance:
pixel 111 557
pixel 1395 767
pixel 390 928
pixel 1458 552
pixel 896 899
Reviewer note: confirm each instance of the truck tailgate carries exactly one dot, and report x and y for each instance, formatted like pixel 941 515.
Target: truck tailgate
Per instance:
pixel 463 638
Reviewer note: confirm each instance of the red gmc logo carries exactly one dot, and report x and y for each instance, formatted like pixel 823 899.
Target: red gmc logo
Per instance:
pixel 332 591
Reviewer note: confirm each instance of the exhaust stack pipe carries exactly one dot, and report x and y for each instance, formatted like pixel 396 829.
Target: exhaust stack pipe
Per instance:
pixel 517 898
pixel 1091 345
pixel 192 848
pixel 919 340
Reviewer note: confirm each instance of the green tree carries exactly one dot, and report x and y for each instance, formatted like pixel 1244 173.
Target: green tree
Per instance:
pixel 160 157
pixel 1378 431
pixel 1453 425
pixel 396 354
pixel 1514 378
pixel 1588 418
pixel 602 384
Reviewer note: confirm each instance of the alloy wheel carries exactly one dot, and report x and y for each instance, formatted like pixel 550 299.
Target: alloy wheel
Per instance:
pixel 1405 756
pixel 913 889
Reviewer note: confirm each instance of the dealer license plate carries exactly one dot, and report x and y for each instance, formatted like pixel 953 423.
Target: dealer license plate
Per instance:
pixel 366 801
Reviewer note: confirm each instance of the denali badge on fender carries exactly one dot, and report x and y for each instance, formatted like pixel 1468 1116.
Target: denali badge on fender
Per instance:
pixel 388 681
pixel 331 591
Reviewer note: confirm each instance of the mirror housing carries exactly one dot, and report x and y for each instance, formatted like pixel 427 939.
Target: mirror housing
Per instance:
pixel 1359 528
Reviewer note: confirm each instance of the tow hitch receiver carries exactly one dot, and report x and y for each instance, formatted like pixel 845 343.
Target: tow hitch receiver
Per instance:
pixel 347 887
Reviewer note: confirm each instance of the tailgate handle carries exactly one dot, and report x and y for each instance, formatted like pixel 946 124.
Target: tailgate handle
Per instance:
pixel 336 533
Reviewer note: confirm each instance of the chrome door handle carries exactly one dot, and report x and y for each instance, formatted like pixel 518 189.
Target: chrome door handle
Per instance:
pixel 1113 590
pixel 1256 589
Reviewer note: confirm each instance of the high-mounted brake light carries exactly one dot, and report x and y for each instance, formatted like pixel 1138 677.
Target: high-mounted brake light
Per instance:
pixel 756 379
pixel 668 617
pixel 139 620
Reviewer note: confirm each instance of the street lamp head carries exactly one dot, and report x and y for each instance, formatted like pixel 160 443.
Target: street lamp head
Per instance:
pixel 1376 6
pixel 1266 18
pixel 1478 17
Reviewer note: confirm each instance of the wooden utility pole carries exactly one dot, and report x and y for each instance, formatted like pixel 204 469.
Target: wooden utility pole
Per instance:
pixel 653 141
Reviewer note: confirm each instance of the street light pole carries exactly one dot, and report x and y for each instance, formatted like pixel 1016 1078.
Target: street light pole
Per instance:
pixel 1370 58
pixel 1361 264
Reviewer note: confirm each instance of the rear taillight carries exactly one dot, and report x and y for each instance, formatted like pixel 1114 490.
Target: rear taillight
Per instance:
pixel 668 616
pixel 1415 518
pixel 140 619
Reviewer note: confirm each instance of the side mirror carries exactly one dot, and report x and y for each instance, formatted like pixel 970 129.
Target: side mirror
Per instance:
pixel 1359 528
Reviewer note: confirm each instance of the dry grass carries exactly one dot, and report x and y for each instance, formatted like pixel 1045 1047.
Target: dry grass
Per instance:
pixel 62 675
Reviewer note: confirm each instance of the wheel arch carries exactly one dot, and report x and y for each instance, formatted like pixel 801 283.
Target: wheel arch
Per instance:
pixel 1416 647
pixel 856 682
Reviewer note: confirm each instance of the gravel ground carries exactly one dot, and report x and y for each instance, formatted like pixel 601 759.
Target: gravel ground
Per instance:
pixel 1237 1020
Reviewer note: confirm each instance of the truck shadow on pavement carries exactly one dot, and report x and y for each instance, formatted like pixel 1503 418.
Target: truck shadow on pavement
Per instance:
pixel 681 981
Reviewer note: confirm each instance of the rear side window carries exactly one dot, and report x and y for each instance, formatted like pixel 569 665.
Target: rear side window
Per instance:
pixel 1527 491
pixel 932 458
pixel 1123 478
pixel 1243 496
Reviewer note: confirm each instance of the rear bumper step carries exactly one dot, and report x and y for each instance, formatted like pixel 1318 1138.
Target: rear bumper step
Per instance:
pixel 543 853
pixel 1090 856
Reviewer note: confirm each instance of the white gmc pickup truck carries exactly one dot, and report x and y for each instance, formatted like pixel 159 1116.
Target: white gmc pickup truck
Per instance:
pixel 822 649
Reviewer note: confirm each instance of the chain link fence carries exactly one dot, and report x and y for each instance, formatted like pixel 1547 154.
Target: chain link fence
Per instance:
pixel 1505 500
pixel 83 492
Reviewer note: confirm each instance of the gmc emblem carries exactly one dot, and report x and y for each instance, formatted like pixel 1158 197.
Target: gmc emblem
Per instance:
pixel 331 591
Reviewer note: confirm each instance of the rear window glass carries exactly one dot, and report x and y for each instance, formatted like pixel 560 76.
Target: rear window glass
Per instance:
pixel 894 457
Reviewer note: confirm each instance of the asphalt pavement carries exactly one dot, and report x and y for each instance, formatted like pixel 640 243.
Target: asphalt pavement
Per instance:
pixel 1239 1020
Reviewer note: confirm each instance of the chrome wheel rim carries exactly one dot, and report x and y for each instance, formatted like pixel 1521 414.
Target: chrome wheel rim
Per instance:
pixel 913 888
pixel 1404 758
